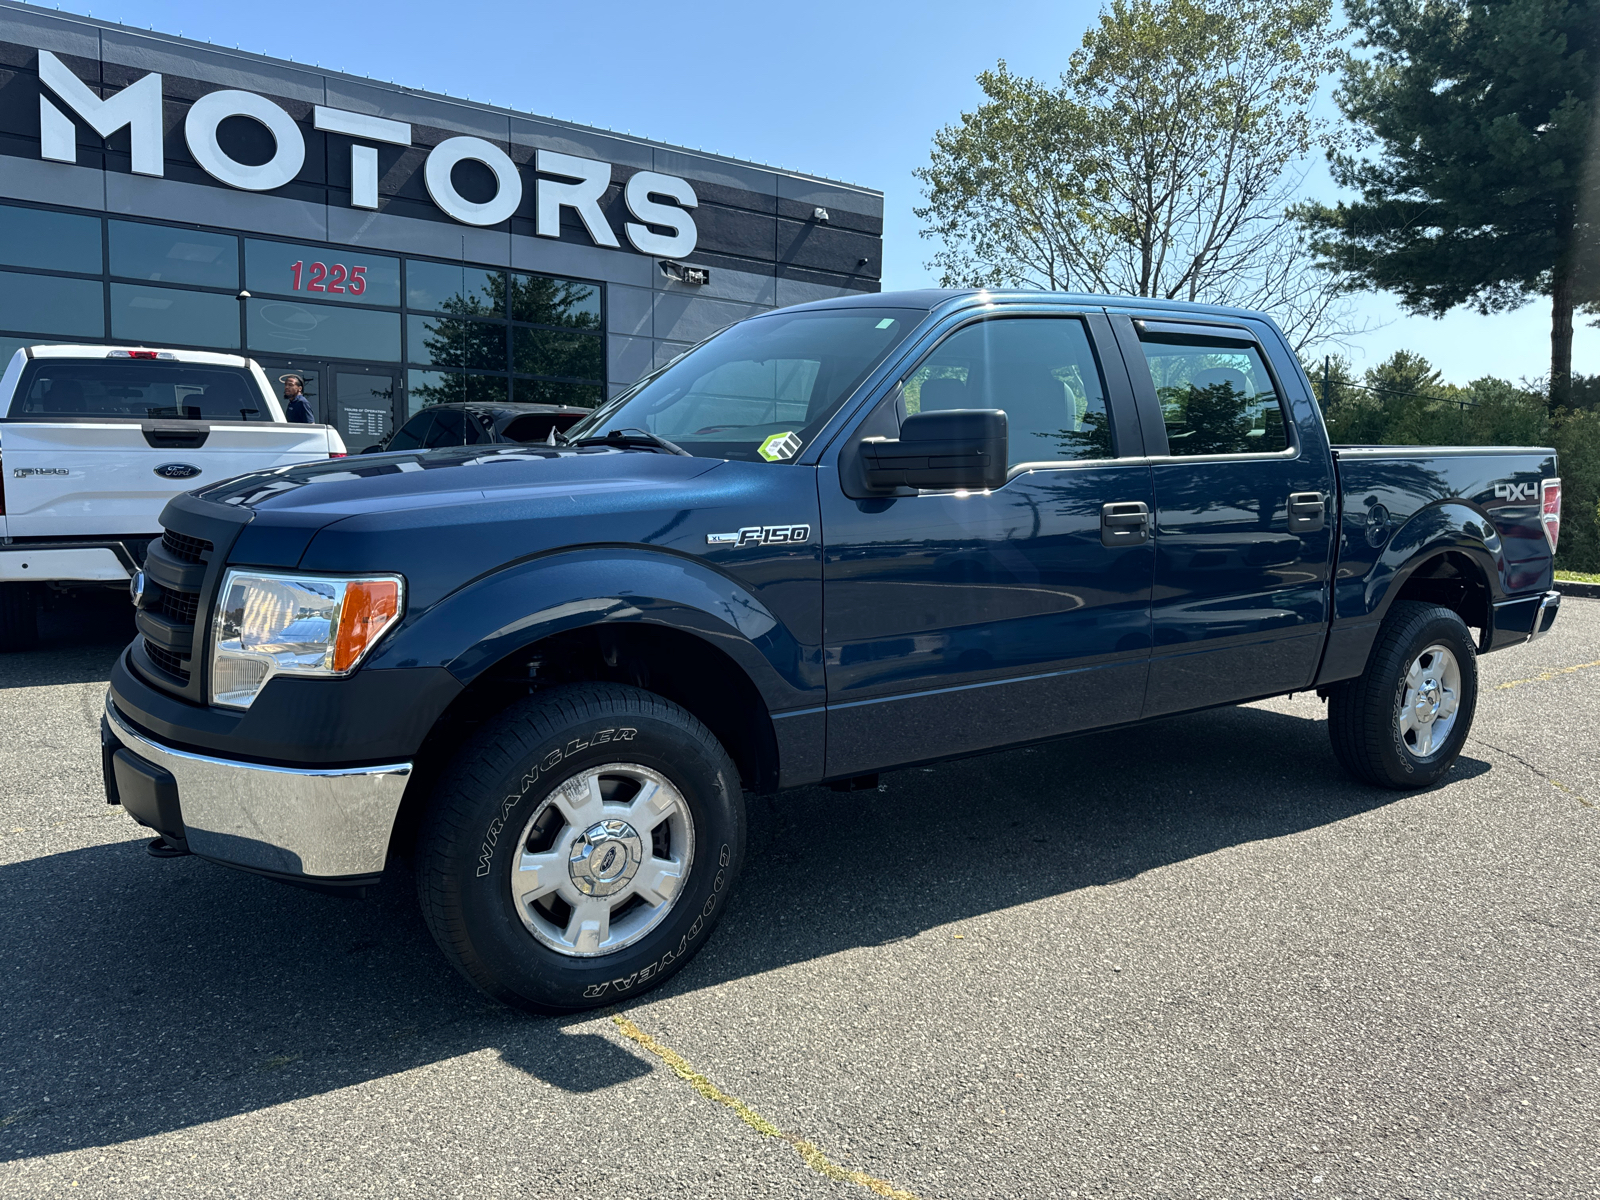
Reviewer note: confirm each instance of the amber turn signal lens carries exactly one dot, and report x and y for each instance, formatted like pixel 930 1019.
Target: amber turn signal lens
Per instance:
pixel 369 606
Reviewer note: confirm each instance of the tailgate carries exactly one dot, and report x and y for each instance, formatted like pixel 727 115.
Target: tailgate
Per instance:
pixel 91 478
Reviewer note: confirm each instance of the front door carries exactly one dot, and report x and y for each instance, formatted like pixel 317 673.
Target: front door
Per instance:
pixel 959 621
pixel 1243 528
pixel 364 403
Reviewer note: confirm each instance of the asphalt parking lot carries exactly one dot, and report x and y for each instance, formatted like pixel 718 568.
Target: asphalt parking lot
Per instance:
pixel 1186 960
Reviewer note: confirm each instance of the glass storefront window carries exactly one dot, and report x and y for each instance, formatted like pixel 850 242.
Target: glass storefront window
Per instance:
pixel 460 291
pixel 166 255
pixel 49 304
pixel 167 316
pixel 49 241
pixel 433 387
pixel 546 301
pixel 346 274
pixel 450 342
pixel 487 389
pixel 550 352
pixel 549 391
pixel 323 330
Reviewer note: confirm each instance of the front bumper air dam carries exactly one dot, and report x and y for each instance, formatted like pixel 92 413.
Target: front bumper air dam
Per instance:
pixel 320 826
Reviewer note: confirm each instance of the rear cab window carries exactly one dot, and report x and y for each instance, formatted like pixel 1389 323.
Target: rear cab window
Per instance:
pixel 1215 392
pixel 137 390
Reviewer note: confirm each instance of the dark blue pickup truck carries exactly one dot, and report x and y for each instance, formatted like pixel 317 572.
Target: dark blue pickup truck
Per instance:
pixel 830 541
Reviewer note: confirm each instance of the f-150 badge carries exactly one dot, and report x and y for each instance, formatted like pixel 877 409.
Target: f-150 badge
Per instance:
pixel 762 535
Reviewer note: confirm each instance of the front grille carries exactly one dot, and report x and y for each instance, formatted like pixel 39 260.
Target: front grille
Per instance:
pixel 180 606
pixel 166 660
pixel 185 548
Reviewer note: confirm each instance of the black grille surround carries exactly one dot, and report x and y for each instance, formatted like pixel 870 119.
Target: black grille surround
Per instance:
pixel 183 569
pixel 185 548
pixel 169 662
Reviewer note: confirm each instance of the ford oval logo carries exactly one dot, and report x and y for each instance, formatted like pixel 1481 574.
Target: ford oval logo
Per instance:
pixel 177 471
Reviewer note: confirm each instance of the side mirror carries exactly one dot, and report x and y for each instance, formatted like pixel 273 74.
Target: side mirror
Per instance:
pixel 953 448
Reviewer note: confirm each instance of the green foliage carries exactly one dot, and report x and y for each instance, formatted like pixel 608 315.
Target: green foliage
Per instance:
pixel 1482 189
pixel 1576 436
pixel 1160 166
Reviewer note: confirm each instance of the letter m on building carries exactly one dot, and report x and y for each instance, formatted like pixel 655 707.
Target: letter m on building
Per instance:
pixel 136 108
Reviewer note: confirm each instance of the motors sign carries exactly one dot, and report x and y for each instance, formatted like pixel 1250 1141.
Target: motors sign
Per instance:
pixel 656 201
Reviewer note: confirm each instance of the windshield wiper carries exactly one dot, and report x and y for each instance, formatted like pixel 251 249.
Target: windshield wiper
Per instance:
pixel 632 436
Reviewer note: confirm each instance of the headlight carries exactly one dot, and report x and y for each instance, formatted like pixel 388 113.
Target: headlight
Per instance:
pixel 295 625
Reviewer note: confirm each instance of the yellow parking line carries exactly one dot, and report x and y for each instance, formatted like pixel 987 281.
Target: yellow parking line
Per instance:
pixel 813 1157
pixel 1547 676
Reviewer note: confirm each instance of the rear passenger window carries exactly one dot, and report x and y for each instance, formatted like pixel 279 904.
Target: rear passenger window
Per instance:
pixel 1216 396
pixel 1040 370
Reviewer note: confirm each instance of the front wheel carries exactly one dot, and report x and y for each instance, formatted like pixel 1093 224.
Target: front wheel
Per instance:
pixel 1402 724
pixel 581 847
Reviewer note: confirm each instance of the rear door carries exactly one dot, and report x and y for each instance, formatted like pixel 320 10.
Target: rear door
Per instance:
pixel 1243 497
pixel 958 621
pixel 97 447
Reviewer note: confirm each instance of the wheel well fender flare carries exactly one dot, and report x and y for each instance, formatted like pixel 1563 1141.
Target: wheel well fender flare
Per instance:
pixel 493 617
pixel 1452 527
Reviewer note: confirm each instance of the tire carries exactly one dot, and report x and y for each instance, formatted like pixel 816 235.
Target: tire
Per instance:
pixel 540 900
pixel 1387 730
pixel 19 616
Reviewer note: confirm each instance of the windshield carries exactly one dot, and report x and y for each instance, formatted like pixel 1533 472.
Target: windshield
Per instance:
pixel 136 389
pixel 761 390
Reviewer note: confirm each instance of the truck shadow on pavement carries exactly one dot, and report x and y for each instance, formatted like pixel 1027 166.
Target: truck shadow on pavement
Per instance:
pixel 140 996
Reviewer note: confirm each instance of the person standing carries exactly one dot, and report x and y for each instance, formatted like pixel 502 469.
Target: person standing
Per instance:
pixel 296 407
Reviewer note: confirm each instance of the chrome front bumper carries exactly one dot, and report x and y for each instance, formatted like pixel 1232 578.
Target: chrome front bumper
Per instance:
pixel 323 824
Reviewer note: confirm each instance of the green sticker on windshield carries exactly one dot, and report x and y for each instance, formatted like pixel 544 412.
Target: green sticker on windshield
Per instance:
pixel 780 446
pixel 885 323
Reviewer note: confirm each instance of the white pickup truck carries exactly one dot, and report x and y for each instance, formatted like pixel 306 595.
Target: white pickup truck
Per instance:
pixel 94 441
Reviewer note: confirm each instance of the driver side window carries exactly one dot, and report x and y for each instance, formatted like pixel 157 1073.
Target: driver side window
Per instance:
pixel 1040 370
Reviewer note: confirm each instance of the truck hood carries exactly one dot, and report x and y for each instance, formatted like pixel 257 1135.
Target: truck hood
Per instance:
pixel 440 511
pixel 339 488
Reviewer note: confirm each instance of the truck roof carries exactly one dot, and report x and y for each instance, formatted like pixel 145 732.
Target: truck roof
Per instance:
pixel 188 356
pixel 931 298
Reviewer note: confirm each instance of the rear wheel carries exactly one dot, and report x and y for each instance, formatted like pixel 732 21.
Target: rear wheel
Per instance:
pixel 19 616
pixel 581 847
pixel 1402 724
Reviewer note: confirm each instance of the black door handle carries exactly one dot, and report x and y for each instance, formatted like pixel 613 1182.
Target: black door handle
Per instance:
pixel 1307 512
pixel 1124 523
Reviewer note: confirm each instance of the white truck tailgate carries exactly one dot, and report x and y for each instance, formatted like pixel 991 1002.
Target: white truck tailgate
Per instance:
pixel 76 478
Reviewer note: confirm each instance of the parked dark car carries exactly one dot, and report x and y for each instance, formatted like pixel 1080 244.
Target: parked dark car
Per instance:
pixel 832 540
pixel 472 424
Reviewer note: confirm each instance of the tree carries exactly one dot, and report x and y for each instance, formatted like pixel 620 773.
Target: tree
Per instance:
pixel 1482 189
pixel 1162 164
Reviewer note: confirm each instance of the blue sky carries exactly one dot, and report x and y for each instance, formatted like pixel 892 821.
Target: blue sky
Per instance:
pixel 852 91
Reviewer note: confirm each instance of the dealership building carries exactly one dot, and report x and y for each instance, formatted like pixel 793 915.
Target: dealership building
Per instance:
pixel 393 246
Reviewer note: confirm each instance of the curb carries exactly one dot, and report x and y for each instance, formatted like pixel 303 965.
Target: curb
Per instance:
pixel 1589 591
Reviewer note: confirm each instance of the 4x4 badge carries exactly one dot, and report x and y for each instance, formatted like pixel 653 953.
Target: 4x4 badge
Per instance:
pixel 761 535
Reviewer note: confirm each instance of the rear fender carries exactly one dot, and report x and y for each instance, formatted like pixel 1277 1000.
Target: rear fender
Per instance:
pixel 1437 529
pixel 1452 527
pixel 478 626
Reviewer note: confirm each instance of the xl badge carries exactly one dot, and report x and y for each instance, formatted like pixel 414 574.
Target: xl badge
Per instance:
pixel 177 471
pixel 762 535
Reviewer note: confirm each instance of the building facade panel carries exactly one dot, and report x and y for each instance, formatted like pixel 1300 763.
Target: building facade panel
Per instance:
pixel 338 263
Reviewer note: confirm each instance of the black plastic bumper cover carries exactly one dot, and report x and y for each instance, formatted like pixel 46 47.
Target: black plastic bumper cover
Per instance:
pixel 373 716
